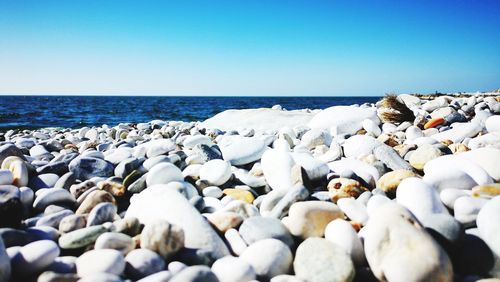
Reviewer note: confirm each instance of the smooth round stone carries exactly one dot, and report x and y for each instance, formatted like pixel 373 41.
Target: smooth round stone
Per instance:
pixel 445 225
pixel 467 208
pixel 118 155
pixel 38 150
pixel 492 123
pixel 143 262
pixel 162 237
pixel 53 196
pixel 268 257
pixel 243 150
pixel 6 177
pixel 27 196
pixel 390 181
pixel 223 221
pixel 277 168
pixel 54 219
pixel 216 172
pixel 100 277
pixel 358 145
pixel 163 173
pixel 318 259
pixel 366 172
pixel 92 199
pixel 193 140
pixel 20 176
pixel 418 197
pixel 159 276
pixel 488 224
pixel 81 237
pixel 394 240
pixel 235 242
pixel 449 196
pixel 371 127
pixel 126 166
pixel 10 206
pixel 35 257
pixel 105 260
pixel 341 233
pixel 102 212
pixel 116 241
pixel 72 222
pixel 64 264
pixel 151 162
pixel 176 266
pixel 43 233
pixel 159 147
pixel 353 209
pixel 257 228
pixel 315 169
pixel 413 132
pixel 233 269
pixel 212 191
pixel 85 168
pixel 422 155
pixel 65 181
pixel 47 180
pixel 196 273
pixel 309 219
pixel 315 137
pixel 9 150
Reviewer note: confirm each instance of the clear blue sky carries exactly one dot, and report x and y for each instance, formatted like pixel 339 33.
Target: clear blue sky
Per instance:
pixel 248 47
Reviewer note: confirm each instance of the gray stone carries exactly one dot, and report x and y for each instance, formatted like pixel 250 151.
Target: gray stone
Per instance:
pixel 233 269
pixel 65 181
pixel 162 237
pixel 390 158
pixel 5 267
pixel 116 241
pixel 8 150
pixel 318 260
pixel 35 257
pixel 143 262
pixel 126 166
pixel 198 273
pixel 257 228
pixel 85 168
pixel 81 237
pixel 268 257
pixel 11 207
pixel 102 212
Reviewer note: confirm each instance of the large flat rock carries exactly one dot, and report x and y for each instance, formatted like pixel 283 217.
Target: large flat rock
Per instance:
pixel 257 119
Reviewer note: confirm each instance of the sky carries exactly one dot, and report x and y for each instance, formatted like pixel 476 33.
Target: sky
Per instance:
pixel 258 47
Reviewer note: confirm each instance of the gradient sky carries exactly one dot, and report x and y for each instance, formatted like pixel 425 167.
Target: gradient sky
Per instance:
pixel 248 47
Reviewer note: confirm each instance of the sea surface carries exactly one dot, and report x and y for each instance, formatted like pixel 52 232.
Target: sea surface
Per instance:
pixel 29 112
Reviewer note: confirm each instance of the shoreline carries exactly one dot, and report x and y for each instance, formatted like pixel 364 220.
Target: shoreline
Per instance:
pixel 289 194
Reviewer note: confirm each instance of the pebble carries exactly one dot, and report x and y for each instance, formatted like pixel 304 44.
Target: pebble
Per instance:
pixel 162 237
pixel 101 213
pixel 239 194
pixel 223 221
pixel 34 257
pixel 196 273
pixel 72 222
pixel 10 206
pixel 143 262
pixel 353 209
pixel 5 265
pixel 277 168
pixel 257 228
pixel 85 168
pixel 116 241
pixel 6 177
pixel 20 175
pixel 418 197
pixel 163 173
pixel 268 257
pixel 318 259
pixel 393 239
pixel 467 208
pixel 309 219
pixel 81 237
pixel 216 172
pixel 96 261
pixel 341 233
pixel 53 196
pixel 422 155
pixel 487 223
pixel 212 191
pixel 233 269
pixel 390 181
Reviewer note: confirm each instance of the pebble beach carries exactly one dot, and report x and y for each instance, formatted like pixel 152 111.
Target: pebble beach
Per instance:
pixel 404 189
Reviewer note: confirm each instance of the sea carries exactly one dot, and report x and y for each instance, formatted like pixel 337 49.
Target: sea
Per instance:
pixel 32 112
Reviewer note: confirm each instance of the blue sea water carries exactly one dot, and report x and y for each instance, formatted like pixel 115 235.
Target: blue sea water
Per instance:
pixel 30 112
